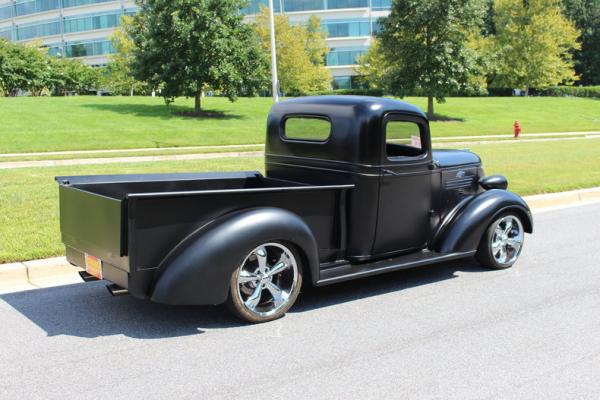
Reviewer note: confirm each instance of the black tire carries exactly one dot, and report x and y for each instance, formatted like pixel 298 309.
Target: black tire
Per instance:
pixel 236 304
pixel 490 256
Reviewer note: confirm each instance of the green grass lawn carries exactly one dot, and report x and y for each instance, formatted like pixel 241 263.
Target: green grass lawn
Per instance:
pixel 29 197
pixel 88 122
pixel 29 201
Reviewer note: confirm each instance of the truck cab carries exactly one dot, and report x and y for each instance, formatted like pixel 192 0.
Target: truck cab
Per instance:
pixel 403 188
pixel 352 187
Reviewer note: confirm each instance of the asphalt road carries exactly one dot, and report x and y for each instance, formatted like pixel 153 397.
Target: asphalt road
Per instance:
pixel 453 331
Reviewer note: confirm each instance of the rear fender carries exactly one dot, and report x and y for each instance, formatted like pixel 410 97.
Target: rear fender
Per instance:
pixel 199 269
pixel 463 228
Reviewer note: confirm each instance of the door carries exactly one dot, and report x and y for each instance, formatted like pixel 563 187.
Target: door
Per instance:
pixel 405 194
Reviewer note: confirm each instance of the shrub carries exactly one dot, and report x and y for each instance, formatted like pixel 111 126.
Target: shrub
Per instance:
pixel 352 92
pixel 575 91
pixel 500 92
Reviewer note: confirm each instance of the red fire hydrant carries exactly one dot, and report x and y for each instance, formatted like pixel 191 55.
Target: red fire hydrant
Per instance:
pixel 517 128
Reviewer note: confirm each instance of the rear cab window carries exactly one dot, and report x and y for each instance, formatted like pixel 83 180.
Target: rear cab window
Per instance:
pixel 307 128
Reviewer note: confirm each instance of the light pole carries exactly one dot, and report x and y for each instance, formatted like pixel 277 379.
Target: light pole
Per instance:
pixel 274 79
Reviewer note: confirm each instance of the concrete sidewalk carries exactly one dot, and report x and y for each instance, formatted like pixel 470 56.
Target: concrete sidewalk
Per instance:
pixel 250 146
pixel 524 135
pixel 207 156
pixel 136 150
pixel 136 159
pixel 28 275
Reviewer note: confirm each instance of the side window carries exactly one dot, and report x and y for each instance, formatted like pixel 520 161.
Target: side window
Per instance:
pixel 314 129
pixel 403 139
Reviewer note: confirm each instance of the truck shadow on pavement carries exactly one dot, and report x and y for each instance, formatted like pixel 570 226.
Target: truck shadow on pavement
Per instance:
pixel 87 310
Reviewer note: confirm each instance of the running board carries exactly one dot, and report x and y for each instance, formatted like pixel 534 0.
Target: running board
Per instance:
pixel 347 272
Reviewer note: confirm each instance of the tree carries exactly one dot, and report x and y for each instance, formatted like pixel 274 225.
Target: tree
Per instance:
pixel 30 68
pixel 533 44
pixel 4 46
pixel 72 76
pixel 586 15
pixel 489 28
pixel 118 74
pixel 24 67
pixel 425 44
pixel 188 46
pixel 372 66
pixel 301 52
pixel 316 44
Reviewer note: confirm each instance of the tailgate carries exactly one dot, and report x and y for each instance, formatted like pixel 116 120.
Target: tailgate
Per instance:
pixel 94 224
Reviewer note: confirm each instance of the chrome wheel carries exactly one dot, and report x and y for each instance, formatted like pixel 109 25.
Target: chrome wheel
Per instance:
pixel 507 240
pixel 266 279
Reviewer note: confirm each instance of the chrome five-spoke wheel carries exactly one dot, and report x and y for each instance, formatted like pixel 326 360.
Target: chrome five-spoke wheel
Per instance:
pixel 507 240
pixel 266 284
pixel 502 244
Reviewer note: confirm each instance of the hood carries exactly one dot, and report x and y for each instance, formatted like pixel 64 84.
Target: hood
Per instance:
pixel 452 158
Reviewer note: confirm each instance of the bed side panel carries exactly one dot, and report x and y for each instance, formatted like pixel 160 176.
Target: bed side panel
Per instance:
pixel 161 223
pixel 92 224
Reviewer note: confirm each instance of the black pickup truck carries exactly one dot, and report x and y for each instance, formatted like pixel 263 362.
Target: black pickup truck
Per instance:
pixel 352 188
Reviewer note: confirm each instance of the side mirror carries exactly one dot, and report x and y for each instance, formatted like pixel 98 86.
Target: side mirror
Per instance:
pixel 494 182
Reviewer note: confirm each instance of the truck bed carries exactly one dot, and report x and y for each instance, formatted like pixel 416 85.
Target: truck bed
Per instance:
pixel 121 186
pixel 131 222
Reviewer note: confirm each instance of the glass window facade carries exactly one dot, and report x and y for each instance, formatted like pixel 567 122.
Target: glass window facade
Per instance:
pixel 335 4
pixel 38 29
pixel 381 4
pixel 336 28
pixel 71 24
pixel 301 5
pixel 344 56
pixel 315 5
pixel 309 5
pixel 75 3
pixel 55 49
pixel 6 11
pixel 7 33
pixel 25 7
pixel 347 82
pixel 254 6
pixel 89 48
pixel 376 27
pixel 91 22
pixel 342 82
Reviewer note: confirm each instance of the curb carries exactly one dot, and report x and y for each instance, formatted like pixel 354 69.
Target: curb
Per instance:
pixel 26 275
pixel 542 202
pixel 57 271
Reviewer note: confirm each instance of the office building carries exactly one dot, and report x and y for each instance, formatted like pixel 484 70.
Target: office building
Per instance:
pixel 82 28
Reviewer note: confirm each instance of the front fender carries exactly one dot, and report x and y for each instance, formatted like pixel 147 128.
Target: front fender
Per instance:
pixel 198 270
pixel 463 227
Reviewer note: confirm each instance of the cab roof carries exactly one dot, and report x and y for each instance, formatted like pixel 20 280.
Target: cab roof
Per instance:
pixel 381 104
pixel 356 135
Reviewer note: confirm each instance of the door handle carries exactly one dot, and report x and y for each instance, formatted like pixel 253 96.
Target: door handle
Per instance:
pixel 389 172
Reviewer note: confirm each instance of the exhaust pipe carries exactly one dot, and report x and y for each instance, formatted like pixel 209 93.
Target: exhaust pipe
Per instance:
pixel 87 277
pixel 117 290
